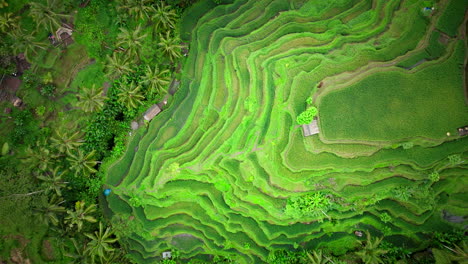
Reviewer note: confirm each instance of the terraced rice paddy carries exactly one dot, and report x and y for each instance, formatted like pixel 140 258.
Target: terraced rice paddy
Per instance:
pixel 212 174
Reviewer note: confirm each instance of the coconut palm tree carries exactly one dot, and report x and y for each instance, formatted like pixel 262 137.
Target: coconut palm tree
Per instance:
pixel 25 43
pixel 371 253
pixel 54 181
pixel 66 141
pixel 170 46
pixel 100 243
pixel 130 95
pixel 3 3
pixel 317 257
pixel 48 214
pixel 131 40
pixel 91 99
pixel 156 80
pixel 82 163
pixel 80 215
pixel 8 21
pixel 139 9
pixel 164 17
pixel 45 15
pixel 39 157
pixel 117 65
pixel 77 253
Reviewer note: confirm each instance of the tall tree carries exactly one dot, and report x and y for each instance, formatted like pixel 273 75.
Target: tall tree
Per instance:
pixel 164 17
pixel 130 95
pixel 139 9
pixel 156 79
pixel 317 257
pixel 39 157
pixel 53 181
pixel 66 141
pixel 25 43
pixel 170 46
pixel 100 244
pixel 49 213
pixel 131 40
pixel 8 21
pixel 117 65
pixel 91 99
pixel 371 253
pixel 80 215
pixel 82 163
pixel 46 15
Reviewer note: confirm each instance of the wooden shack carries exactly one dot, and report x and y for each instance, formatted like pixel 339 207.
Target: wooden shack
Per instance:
pixel 310 129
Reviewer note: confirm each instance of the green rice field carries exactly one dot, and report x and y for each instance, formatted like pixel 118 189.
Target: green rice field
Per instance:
pixel 223 170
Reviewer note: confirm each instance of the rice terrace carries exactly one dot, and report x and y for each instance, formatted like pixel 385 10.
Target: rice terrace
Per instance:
pixel 227 169
pixel 234 131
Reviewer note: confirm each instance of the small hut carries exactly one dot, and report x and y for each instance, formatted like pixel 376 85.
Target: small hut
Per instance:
pixel 64 34
pixel 152 112
pixel 166 255
pixel 463 131
pixel 310 129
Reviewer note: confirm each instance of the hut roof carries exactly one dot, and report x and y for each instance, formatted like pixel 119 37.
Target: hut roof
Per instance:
pixel 310 129
pixel 152 112
pixel 463 131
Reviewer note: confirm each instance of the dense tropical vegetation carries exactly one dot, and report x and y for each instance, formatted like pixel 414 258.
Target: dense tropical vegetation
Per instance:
pixel 86 179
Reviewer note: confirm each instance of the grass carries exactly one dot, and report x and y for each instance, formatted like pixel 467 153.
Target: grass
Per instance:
pixel 380 114
pixel 452 17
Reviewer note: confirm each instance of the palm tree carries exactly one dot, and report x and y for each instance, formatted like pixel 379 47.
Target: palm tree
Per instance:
pixel 54 181
pixel 25 43
pixel 66 141
pixel 117 65
pixel 156 79
pixel 317 257
pixel 91 100
pixel 371 253
pixel 100 244
pixel 139 9
pixel 80 215
pixel 44 15
pixel 170 46
pixel 131 40
pixel 456 254
pixel 164 17
pixel 39 157
pixel 81 163
pixel 79 255
pixel 130 95
pixel 8 22
pixel 49 213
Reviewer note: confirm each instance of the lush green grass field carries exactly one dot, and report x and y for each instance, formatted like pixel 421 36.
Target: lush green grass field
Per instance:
pixel 396 105
pixel 216 172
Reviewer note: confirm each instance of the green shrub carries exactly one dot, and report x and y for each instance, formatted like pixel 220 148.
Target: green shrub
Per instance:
pixel 434 176
pixel 48 90
pixel 309 205
pixel 307 116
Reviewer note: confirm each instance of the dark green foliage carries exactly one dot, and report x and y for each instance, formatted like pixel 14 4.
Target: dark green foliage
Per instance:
pixel 48 90
pixel 394 253
pixel 101 129
pixel 308 205
pixel 284 256
pixel 455 237
pixel 26 128
pixel 95 28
